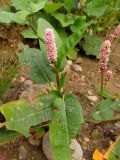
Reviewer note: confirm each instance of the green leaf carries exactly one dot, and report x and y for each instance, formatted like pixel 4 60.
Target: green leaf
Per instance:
pixel 40 72
pixel 92 45
pixel 20 4
pixel 42 25
pixel 65 20
pixel 52 7
pixel 104 110
pixel 69 43
pixel 59 137
pixel 79 25
pixel 74 115
pixel 105 93
pixel 67 119
pixel 20 16
pixel 20 115
pixel 35 7
pixel 114 152
pixel 7 136
pixel 72 53
pixel 96 8
pixel 6 17
pixel 68 5
pixel 27 33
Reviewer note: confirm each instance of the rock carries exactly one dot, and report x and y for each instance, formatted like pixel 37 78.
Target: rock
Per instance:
pixel 69 62
pixel 86 139
pixel 92 98
pixel 35 142
pixel 77 68
pixel 22 153
pixel 75 146
pixel 89 92
pixel 117 124
pixel 79 60
pixel 31 93
pixel 22 79
pixel 28 83
pixel 46 146
pixel 77 150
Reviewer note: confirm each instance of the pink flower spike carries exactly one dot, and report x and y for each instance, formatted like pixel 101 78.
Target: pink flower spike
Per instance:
pixel 112 37
pixel 50 45
pixel 108 75
pixel 104 55
pixel 106 47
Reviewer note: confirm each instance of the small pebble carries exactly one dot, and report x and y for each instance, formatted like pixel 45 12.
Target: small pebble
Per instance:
pixel 28 83
pixel 86 139
pixel 75 146
pixel 117 124
pixel 22 153
pixel 92 98
pixel 35 142
pixel 22 79
pixel 77 68
pixel 89 92
pixel 69 62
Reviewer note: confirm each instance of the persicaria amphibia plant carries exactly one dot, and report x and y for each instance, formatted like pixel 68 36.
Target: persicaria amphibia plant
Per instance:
pixel 105 50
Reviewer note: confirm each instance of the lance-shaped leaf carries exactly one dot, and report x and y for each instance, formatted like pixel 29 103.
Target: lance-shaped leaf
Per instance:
pixel 35 7
pixel 65 20
pixel 20 115
pixel 7 136
pixel 74 115
pixel 59 137
pixel 67 119
pixel 6 17
pixel 51 7
pixel 21 4
pixel 40 72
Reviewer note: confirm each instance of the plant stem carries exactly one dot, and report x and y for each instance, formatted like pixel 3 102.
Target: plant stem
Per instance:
pixel 57 79
pixel 102 83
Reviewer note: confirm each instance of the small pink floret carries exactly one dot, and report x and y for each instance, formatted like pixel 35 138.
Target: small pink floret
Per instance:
pixel 104 55
pixel 108 75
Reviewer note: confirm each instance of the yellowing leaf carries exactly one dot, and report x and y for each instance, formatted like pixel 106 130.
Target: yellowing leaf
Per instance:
pixel 97 155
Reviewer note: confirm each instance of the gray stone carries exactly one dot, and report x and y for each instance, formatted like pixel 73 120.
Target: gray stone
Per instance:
pixel 35 142
pixel 92 98
pixel 77 150
pixel 22 153
pixel 28 83
pixel 75 146
pixel 46 146
pixel 77 68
